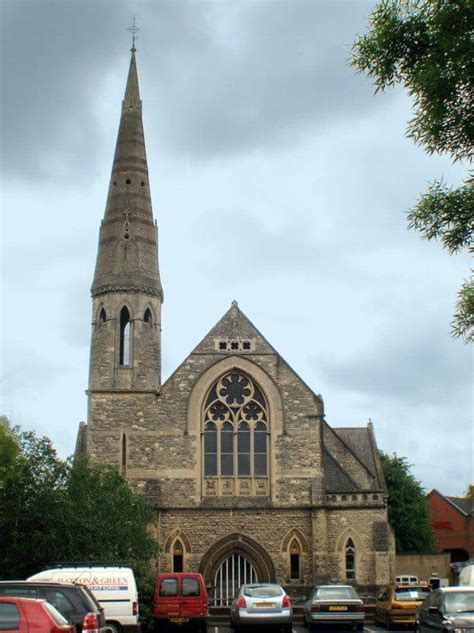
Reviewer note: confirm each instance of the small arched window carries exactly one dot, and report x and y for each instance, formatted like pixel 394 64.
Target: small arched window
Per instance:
pixel 178 554
pixel 295 552
pixel 227 450
pixel 147 317
pixel 102 316
pixel 210 450
pixel 243 449
pixel 124 336
pixel 350 560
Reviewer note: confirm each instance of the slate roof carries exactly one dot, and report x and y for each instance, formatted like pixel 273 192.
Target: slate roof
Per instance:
pixel 462 503
pixel 337 480
pixel 361 443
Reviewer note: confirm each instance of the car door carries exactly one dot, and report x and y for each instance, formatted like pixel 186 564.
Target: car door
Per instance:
pixel 191 598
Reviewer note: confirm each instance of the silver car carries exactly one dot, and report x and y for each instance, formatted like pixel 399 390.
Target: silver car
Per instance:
pixel 338 604
pixel 260 604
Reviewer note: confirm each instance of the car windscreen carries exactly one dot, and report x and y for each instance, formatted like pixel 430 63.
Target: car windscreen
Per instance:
pixel 58 618
pixel 190 587
pixel 169 587
pixel 263 591
pixel 408 594
pixel 336 593
pixel 459 602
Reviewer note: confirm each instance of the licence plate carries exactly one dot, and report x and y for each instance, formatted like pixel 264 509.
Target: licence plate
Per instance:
pixel 265 605
pixel 337 608
pixel 179 620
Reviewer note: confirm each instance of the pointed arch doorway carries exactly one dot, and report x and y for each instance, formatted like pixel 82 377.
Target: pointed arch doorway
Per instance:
pixel 232 561
pixel 234 571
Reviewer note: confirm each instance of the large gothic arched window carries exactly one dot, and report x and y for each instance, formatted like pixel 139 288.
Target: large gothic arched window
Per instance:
pixel 235 437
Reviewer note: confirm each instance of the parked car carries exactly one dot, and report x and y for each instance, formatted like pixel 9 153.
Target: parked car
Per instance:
pixel 397 605
pixel 114 587
pixel 75 602
pixel 181 598
pixel 26 615
pixel 261 604
pixel 466 575
pixel 333 604
pixel 447 609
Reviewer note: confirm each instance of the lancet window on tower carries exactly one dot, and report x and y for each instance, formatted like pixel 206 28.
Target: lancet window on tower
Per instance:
pixel 147 317
pixel 235 436
pixel 125 327
pixel 102 316
pixel 123 455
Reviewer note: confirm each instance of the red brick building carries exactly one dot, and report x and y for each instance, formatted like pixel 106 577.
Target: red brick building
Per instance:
pixel 453 522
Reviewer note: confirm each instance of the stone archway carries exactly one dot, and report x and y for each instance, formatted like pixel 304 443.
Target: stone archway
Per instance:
pixel 238 559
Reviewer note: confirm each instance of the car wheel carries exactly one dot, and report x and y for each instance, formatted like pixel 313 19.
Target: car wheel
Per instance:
pixel 203 628
pixel 287 628
pixel 360 626
pixel 111 627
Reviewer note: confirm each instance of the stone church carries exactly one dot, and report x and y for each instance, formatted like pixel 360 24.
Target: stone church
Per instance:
pixel 248 479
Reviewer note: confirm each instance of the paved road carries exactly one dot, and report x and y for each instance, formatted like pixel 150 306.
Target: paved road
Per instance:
pixel 371 628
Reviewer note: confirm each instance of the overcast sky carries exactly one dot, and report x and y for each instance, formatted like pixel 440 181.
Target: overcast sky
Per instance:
pixel 277 178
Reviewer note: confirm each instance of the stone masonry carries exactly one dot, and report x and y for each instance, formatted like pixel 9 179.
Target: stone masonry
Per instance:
pixel 303 503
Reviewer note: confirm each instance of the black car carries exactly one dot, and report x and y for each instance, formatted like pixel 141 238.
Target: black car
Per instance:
pixel 73 601
pixel 445 610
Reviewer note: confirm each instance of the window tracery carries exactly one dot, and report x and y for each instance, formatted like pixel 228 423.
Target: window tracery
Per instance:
pixel 235 437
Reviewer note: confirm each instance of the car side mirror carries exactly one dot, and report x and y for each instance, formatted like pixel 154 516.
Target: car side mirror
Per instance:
pixel 433 610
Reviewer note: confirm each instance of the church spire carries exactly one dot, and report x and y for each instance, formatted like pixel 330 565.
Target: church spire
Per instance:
pixel 128 253
pixel 126 291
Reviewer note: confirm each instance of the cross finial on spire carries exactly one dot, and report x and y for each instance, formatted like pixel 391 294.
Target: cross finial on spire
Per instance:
pixel 134 30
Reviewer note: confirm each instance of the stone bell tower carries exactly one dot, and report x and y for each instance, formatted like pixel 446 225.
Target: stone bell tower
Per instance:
pixel 126 291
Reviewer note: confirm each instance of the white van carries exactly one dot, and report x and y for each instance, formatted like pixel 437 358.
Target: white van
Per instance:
pixel 113 587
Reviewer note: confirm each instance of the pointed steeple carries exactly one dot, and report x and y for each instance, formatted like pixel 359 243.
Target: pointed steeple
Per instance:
pixel 126 291
pixel 127 259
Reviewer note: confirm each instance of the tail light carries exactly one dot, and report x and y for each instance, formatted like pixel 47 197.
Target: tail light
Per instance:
pixel 241 603
pixel 361 609
pixel 135 608
pixel 90 623
pixel 315 607
pixel 286 602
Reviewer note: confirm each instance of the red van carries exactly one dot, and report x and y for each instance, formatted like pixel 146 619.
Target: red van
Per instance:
pixel 180 599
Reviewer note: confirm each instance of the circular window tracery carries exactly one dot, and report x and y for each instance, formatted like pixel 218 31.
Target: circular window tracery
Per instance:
pixel 236 435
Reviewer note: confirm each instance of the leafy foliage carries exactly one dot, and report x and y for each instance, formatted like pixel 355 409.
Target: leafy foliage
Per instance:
pixel 407 510
pixel 53 510
pixel 427 46
pixel 469 494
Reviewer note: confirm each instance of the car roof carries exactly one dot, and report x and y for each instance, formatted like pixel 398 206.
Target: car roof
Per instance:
pixel 454 589
pixel 39 583
pixel 10 598
pixel 334 586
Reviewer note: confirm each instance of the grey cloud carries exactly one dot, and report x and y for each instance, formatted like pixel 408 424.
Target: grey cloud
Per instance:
pixel 286 70
pixel 280 68
pixel 420 368
pixel 53 56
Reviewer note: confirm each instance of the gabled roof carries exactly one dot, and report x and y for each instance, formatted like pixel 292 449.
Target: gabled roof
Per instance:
pixel 335 477
pixel 463 505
